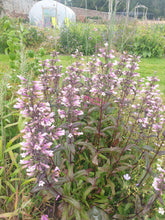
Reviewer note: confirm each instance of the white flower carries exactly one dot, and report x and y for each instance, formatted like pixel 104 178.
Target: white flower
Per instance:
pixel 115 63
pixel 41 183
pixel 106 44
pixel 79 133
pixel 127 176
pixel 160 168
pixel 9 86
pixel 70 135
pixel 24 155
pixel 103 93
pixel 93 90
pixel 161 211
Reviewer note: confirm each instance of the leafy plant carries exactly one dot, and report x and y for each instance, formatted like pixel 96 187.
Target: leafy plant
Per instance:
pixel 34 37
pixel 6 26
pixel 147 42
pixel 14 187
pixel 92 138
pixel 81 37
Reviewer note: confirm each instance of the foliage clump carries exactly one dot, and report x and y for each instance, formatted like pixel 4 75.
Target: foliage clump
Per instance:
pixel 92 136
pixel 10 33
pixel 140 39
pixel 86 38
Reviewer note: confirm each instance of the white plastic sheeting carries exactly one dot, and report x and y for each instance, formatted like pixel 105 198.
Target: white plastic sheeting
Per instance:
pixel 49 13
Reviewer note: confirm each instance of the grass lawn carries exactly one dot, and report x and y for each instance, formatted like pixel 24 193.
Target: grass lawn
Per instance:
pixel 150 66
pixel 4 63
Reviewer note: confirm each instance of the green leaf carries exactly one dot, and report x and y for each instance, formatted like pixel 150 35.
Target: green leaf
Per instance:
pixel 10 186
pixel 121 168
pixel 9 214
pixel 77 214
pixel 12 55
pixel 111 149
pixel 13 158
pixel 128 147
pixel 149 148
pixel 4 197
pixel 89 146
pixel 147 208
pixel 118 216
pixel 29 181
pixel 105 106
pixel 21 122
pixel 11 114
pixel 102 201
pixel 102 156
pixel 12 140
pixel 107 128
pixel 72 202
pixel 128 206
pixel 95 160
pixel 70 171
pixel 88 128
pixel 78 124
pixel 128 156
pixel 15 146
pixel 1 148
pixel 71 148
pixel 91 180
pixel 92 122
pixel 21 28
pixel 112 186
pixel 25 204
pixel 96 108
pixel 65 212
pixel 113 119
pixel 147 161
pixel 84 215
pixel 1 171
pixel 79 174
pixel 87 191
pixel 16 171
pixel 10 125
pixel 138 205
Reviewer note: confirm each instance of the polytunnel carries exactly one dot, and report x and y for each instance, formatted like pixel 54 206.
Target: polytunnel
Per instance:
pixel 49 13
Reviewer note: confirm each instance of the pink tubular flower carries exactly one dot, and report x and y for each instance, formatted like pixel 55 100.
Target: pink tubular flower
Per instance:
pixel 44 217
pixel 59 132
pixel 55 174
pixel 22 78
pixel 155 183
pixel 61 113
pixel 39 131
pixel 41 183
pixel 159 183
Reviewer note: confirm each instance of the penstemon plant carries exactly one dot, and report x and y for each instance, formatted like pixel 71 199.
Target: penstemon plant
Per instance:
pixel 93 136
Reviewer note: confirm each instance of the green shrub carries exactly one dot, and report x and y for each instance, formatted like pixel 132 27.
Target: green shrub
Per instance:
pixel 5 27
pixel 146 41
pixel 34 37
pixel 149 43
pixel 124 34
pixel 80 37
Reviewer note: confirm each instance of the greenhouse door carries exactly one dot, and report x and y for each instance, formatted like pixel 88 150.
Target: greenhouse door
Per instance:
pixel 49 17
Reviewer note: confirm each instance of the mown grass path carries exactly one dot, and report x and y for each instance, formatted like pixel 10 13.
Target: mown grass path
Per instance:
pixel 150 66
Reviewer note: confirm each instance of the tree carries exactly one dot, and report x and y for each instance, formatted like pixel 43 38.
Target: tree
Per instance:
pixel 155 7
